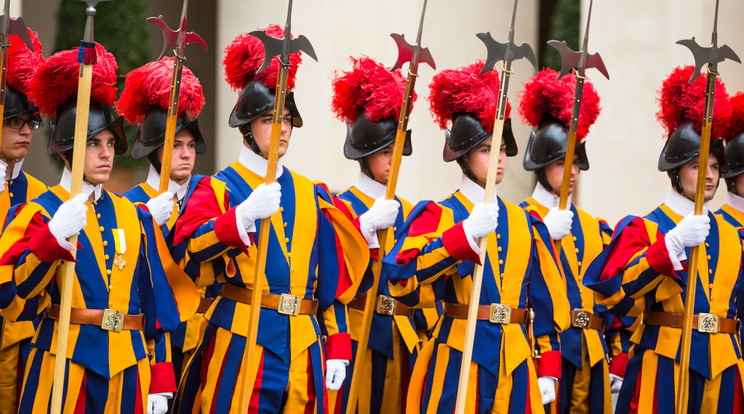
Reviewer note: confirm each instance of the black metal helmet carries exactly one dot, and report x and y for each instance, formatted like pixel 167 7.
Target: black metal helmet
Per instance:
pixel 62 131
pixel 684 145
pixel 467 132
pixel 735 160
pixel 151 133
pixel 17 103
pixel 366 137
pixel 255 100
pixel 549 144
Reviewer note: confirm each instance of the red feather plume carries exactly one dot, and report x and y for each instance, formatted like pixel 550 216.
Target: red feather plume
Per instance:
pixel 546 97
pixel 369 87
pixel 22 62
pixel 466 90
pixel 150 86
pixel 736 125
pixel 681 101
pixel 56 80
pixel 245 55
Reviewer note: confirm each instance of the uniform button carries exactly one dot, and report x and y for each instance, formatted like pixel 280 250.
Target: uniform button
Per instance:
pixel 98 215
pixel 499 249
pixel 10 182
pixel 498 236
pixel 708 257
pixel 105 256
pixel 710 271
pixel 706 244
pixel 105 243
pixel 395 229
pixel 578 263
pixel 710 286
pixel 577 250
pixel 286 240
pixel 289 254
pixel 10 194
pixel 501 262
pixel 285 225
pixel 108 271
pixel 574 238
pixel 101 228
pixel 281 209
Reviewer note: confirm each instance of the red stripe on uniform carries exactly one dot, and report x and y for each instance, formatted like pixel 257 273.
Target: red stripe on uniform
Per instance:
pixel 311 395
pixel 138 408
pixel 80 404
pixel 255 393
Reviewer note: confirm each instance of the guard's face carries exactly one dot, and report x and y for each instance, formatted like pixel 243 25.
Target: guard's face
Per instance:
pixel 554 174
pixel 478 157
pixel 739 184
pixel 379 164
pixel 261 130
pixel 184 155
pixel 16 137
pixel 99 157
pixel 688 178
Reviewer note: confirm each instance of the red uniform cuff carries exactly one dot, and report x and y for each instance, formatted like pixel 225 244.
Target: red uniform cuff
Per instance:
pixel 338 346
pixel 618 364
pixel 163 378
pixel 456 242
pixel 658 258
pixel 226 230
pixel 45 246
pixel 549 364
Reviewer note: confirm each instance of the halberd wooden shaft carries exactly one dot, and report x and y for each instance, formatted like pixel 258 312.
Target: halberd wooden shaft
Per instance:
pixel 170 126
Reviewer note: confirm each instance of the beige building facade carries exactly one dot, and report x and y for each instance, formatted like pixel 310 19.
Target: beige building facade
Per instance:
pixel 635 38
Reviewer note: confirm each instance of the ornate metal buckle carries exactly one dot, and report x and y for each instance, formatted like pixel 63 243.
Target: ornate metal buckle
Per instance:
pixel 386 305
pixel 289 304
pixel 707 323
pixel 500 313
pixel 581 319
pixel 112 320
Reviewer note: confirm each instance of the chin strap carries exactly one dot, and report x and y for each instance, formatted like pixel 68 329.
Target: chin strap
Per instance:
pixel 466 169
pixel 248 138
pixel 543 179
pixel 365 168
pixel 156 163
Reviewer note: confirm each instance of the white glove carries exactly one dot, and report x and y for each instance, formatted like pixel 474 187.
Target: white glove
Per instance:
pixel 547 388
pixel 69 219
pixel 3 175
pixel 558 222
pixel 262 203
pixel 157 404
pixel 161 207
pixel 616 383
pixel 482 220
pixel 691 231
pixel 335 373
pixel 380 216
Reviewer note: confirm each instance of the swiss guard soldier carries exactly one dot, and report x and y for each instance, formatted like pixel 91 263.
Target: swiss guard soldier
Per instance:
pixel 546 104
pixel 21 118
pixel 438 245
pixel 315 258
pixel 368 98
pixel 122 267
pixel 733 211
pixel 144 102
pixel 643 272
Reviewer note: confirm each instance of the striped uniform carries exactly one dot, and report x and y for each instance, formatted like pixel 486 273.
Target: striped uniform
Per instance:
pixel 584 385
pixel 432 249
pixel 732 216
pixel 15 336
pixel 635 274
pixel 314 252
pixel 105 370
pixel 185 338
pixel 394 342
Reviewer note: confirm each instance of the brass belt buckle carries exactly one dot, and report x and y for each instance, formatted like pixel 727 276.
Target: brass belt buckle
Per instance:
pixel 500 313
pixel 386 305
pixel 581 319
pixel 708 323
pixel 289 304
pixel 112 320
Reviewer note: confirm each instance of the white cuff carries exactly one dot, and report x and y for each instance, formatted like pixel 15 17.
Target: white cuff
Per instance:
pixel 677 260
pixel 243 231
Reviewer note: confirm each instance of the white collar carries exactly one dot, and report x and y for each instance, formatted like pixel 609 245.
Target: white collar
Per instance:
pixel 257 163
pixel 369 186
pixel 736 202
pixel 16 169
pixel 472 191
pixel 88 188
pixel 153 180
pixel 548 198
pixel 681 204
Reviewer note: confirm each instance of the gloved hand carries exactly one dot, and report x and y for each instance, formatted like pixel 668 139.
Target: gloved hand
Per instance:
pixel 482 220
pixel 380 216
pixel 161 207
pixel 690 231
pixel 558 222
pixel 262 203
pixel 616 383
pixel 547 389
pixel 157 404
pixel 335 373
pixel 3 175
pixel 70 218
